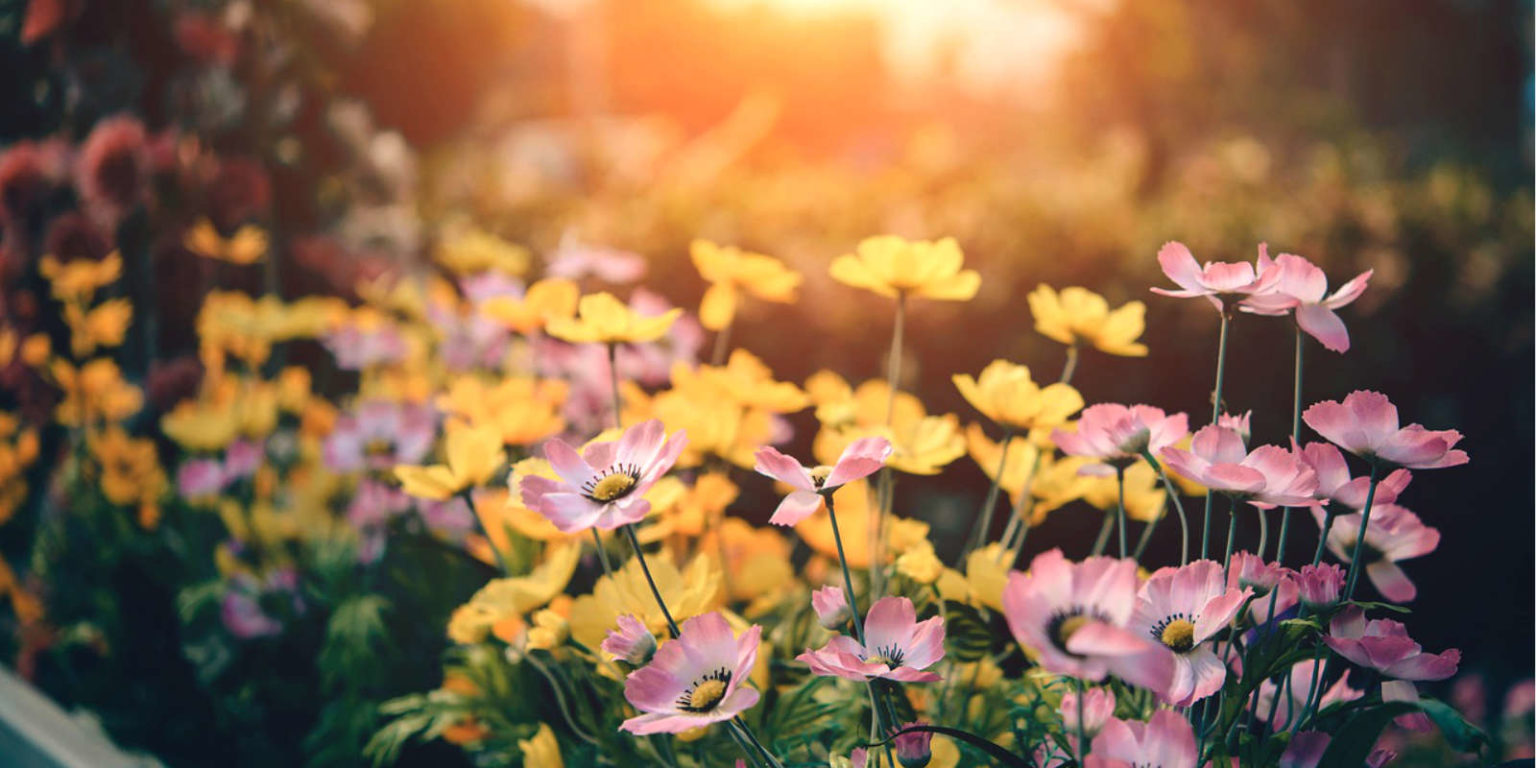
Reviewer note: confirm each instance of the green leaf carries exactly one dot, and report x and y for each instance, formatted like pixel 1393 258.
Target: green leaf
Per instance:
pixel 1460 734
pixel 966 633
pixel 798 711
pixel 1352 744
pixel 1367 606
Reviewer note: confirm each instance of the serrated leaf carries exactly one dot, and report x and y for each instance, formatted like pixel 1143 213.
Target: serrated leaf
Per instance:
pixel 966 635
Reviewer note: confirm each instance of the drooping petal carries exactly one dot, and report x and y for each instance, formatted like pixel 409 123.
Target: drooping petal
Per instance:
pixel 797 506
pixel 1322 324
pixel 774 464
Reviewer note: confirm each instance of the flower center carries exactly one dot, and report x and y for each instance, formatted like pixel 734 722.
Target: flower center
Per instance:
pixel 889 655
pixel 1178 635
pixel 1069 627
pixel 819 474
pixel 706 694
pixel 615 485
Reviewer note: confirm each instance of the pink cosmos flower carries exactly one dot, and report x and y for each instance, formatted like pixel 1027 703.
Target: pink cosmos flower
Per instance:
pixel 1164 741
pixel 604 486
pixel 1366 425
pixel 1182 608
pixel 1292 697
pixel 1303 287
pixel 896 646
pixel 831 606
pixel 200 478
pixel 242 458
pixel 1395 534
pixel 1241 423
pixel 1116 434
pixel 1384 645
pixel 380 435
pixel 1320 585
pixel 1212 281
pixel 1267 477
pixel 1334 483
pixel 694 680
pixel 862 458
pixel 1270 582
pixel 356 348
pixel 574 261
pixel 630 641
pixel 1098 708
pixel 1077 616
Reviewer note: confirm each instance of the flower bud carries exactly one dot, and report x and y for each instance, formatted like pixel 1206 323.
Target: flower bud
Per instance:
pixel 1320 585
pixel 831 608
pixel 913 749
pixel 1098 707
pixel 631 642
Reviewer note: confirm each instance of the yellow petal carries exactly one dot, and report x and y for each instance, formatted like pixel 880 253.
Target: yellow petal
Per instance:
pixel 718 307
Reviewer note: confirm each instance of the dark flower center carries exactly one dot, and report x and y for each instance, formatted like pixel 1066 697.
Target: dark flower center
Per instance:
pixel 706 693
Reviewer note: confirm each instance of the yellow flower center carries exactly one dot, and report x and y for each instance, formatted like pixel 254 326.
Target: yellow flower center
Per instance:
pixel 1069 627
pixel 820 473
pixel 706 695
pixel 612 487
pixel 1179 635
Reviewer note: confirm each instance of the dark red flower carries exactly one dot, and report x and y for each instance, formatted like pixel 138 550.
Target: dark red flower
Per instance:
pixel 112 171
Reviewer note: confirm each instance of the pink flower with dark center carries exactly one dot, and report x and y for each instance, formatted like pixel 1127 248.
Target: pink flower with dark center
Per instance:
pixel 1117 434
pixel 1292 697
pixel 1395 534
pixel 1214 280
pixel 896 646
pixel 694 680
pixel 1182 608
pixel 1076 616
pixel 1320 585
pixel 1366 425
pixel 1384 645
pixel 603 486
pixel 380 435
pixel 1267 477
pixel 1164 741
pixel 1334 483
pixel 862 458
pixel 831 606
pixel 630 642
pixel 1303 288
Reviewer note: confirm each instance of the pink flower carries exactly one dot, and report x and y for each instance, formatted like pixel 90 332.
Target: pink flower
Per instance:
pixel 356 347
pixel 1320 585
pixel 242 458
pixel 200 478
pixel 1292 697
pixel 1116 434
pixel 1271 583
pixel 1384 645
pixel 1334 483
pixel 896 646
pixel 243 617
pixel 1182 608
pixel 914 748
pixel 1098 708
pixel 1395 534
pixel 1268 477
pixel 1241 423
pixel 862 458
pixel 630 642
pixel 1212 281
pixel 1164 741
pixel 1303 287
pixel 694 680
pixel 574 261
pixel 1365 424
pixel 380 435
pixel 1076 617
pixel 831 607
pixel 112 169
pixel 604 486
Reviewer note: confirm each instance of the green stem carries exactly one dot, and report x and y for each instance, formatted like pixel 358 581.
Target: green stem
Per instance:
pixel 613 378
pixel 1263 532
pixel 1226 561
pixel 634 542
pixel 842 560
pixel 1285 517
pixel 1178 504
pixel 887 481
pixel 501 560
pixel 1104 530
pixel 1082 738
pixel 1365 520
pixel 722 344
pixel 602 556
pixel 984 517
pixel 1221 375
pixel 1146 534
pixel 1070 366
pixel 1120 508
pixel 1322 537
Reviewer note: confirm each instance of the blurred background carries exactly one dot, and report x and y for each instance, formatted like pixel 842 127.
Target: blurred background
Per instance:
pixel 1059 141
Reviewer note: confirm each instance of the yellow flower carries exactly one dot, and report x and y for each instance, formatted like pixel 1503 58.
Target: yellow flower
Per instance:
pixel 706 501
pixel 95 391
pixel 920 564
pixel 838 405
pixel 728 269
pixel 892 266
pixel 78 280
pixel 541 751
pixel 853 504
pixel 130 471
pixel 604 319
pixel 550 630
pixel 103 326
pixel 521 410
pixel 1017 466
pixel 474 251
pixel 474 454
pixel 687 593
pixel 35 350
pixel 743 379
pixel 1144 497
pixel 986 571
pixel 246 246
pixel 758 559
pixel 1078 315
pixel 1007 395
pixel 545 300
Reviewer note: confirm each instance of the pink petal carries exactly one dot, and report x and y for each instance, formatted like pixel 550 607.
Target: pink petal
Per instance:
pixel 1224 277
pixel 1350 291
pixel 1325 326
pixel 1374 414
pixel 570 512
pixel 890 623
pixel 797 506
pixel 862 458
pixel 1426 666
pixel 567 463
pixel 1391 581
pixel 1180 267
pixel 774 464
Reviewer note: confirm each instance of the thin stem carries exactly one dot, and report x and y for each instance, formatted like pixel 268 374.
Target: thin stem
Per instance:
pixel 722 344
pixel 1023 511
pixel 1263 533
pixel 501 560
pixel 560 703
pixel 893 367
pixel 613 378
pixel 1226 561
pixel 1322 537
pixel 1285 517
pixel 984 516
pixel 887 481
pixel 1070 367
pixel 634 542
pixel 751 737
pixel 1104 530
pixel 602 556
pixel 1120 508
pixel 1146 533
pixel 1173 493
pixel 1082 739
pixel 1365 520
pixel 1221 375
pixel 842 559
